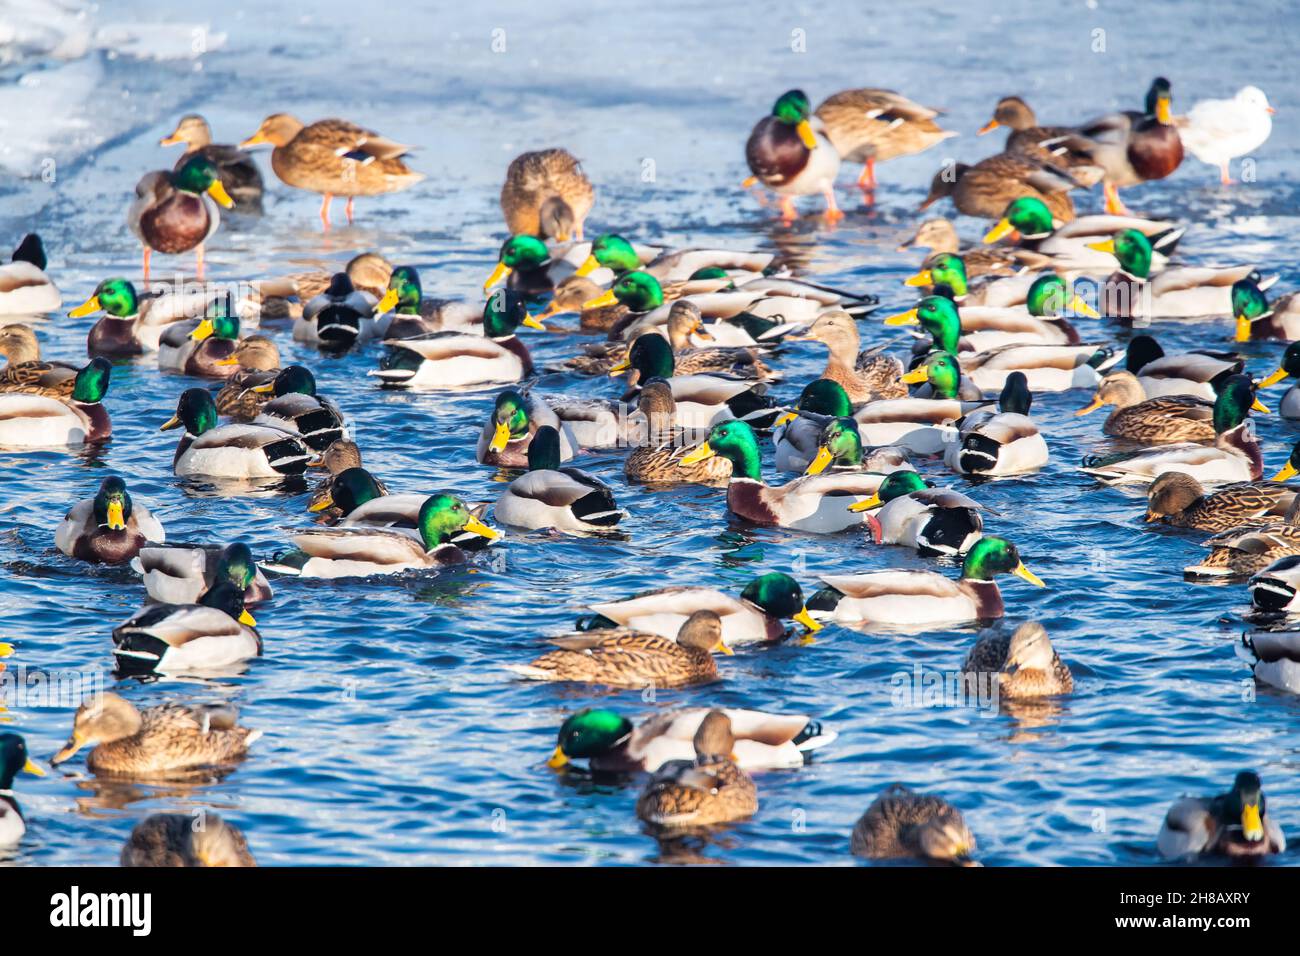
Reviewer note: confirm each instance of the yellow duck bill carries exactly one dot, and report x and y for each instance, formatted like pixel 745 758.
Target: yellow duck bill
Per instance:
pixel 910 317
pixel 1021 571
pixel 1001 229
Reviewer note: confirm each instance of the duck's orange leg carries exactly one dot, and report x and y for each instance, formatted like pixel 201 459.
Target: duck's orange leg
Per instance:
pixel 198 262
pixel 325 210
pixel 147 253
pixel 867 181
pixel 1114 205
pixel 833 212
pixel 788 212
pixel 349 209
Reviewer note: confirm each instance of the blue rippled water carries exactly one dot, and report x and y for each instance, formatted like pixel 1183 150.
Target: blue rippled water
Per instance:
pixel 392 734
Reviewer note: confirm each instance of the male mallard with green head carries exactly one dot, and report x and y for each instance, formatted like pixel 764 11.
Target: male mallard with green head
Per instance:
pixel 789 153
pixel 174 212
pixel 1232 824
pixel 109 528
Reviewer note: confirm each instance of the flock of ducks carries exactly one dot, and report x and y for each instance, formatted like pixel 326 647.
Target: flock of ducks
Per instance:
pixel 696 335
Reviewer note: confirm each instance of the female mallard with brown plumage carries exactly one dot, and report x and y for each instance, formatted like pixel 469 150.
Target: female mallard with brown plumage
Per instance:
pixel 1027 137
pixel 624 657
pixel 658 457
pixel 871 126
pixel 865 376
pixel 1240 552
pixel 156 741
pixel 1025 663
pixel 1232 824
pixel 985 189
pixel 109 528
pixel 1165 418
pixel 1181 501
pixel 902 824
pixel 174 212
pixel 173 839
pixel 789 154
pixel 26 372
pixel 256 361
pixel 686 321
pixel 708 791
pixel 1131 147
pixel 547 194
pixel 235 168
pixel 335 158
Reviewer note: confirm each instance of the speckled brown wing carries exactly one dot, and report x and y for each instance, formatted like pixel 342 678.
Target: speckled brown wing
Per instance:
pixel 988 655
pixel 886 830
pixel 336 156
pixel 1243 503
pixel 625 658
pixel 185 840
pixel 661 464
pixel 174 738
pixel 985 189
pixel 532 178
pixel 1243 551
pixel 878 124
pixel 737 362
pixel 238 401
pixel 55 379
pixel 1167 418
pixel 695 795
pixel 880 375
pixel 1030 682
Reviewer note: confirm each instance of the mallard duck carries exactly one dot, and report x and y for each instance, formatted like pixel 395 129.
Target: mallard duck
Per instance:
pixel 1042 293
pixel 865 376
pixel 1199 372
pixel 548 496
pixel 364 551
pixel 755 616
pixel 902 824
pixel 132 326
pixel 338 318
pixel 1180 418
pixel 839 448
pixel 869 126
pixel 354 498
pixel 155 741
pixel 1180 500
pixel 657 457
pixel 201 349
pixel 921 426
pixel 231 451
pixel 1133 293
pixel 296 408
pixel 1131 147
pixel 457 359
pixel 283 297
pixel 256 361
pixel 790 154
pixel 1274 589
pixel 1047 368
pixel 25 372
pixel 684 321
pixel 109 528
pixel 701 400
pixel 1234 456
pixel 985 189
pixel 610 742
pixel 1005 442
pixel 1218 131
pixel 1274 658
pixel 707 791
pixel 623 657
pixel 405 313
pixel 1027 137
pixel 13 758
pixel 1071 246
pixel 801 435
pixel 36 420
pixel 547 194
pixel 924 597
pixel 817 502
pixel 1026 664
pixel 939 236
pixel 1233 824
pixel 25 289
pixel 516 417
pixel 1257 318
pixel 334 157
pixel 931 520
pixel 174 212
pixel 526 265
pixel 1039 322
pixel 183 573
pixel 336 459
pixel 173 839
pixel 1239 552
pixel 210 635
pixel 235 168
pixel 572 295
pixel 616 253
